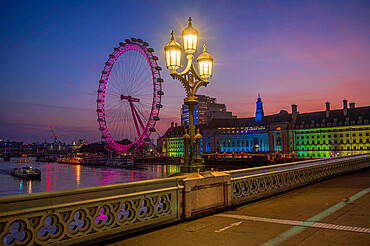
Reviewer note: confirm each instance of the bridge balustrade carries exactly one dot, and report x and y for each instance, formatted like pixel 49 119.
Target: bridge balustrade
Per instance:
pixel 95 213
pixel 74 216
pixel 255 183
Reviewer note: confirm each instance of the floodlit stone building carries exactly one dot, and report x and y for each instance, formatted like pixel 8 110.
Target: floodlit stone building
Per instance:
pixel 307 135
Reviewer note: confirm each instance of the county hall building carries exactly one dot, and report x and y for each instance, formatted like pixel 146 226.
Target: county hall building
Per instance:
pixel 306 135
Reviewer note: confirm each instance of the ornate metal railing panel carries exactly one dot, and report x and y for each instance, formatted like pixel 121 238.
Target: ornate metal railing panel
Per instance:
pixel 73 216
pixel 258 185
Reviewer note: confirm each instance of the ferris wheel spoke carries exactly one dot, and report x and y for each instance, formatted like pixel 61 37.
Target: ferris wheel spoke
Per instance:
pixel 145 108
pixel 138 89
pixel 118 123
pixel 136 64
pixel 138 72
pixel 127 123
pixel 122 78
pixel 147 105
pixel 112 106
pixel 143 75
pixel 112 110
pixel 143 92
pixel 142 84
pixel 143 111
pixel 143 79
pixel 115 86
pixel 127 80
pixel 112 94
pixel 113 115
pixel 131 64
pixel 118 81
pixel 115 77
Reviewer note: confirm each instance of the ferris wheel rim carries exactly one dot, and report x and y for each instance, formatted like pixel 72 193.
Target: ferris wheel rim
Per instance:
pixel 141 47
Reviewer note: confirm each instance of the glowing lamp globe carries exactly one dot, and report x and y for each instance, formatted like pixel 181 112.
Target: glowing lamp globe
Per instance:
pixel 190 38
pixel 173 54
pixel 205 64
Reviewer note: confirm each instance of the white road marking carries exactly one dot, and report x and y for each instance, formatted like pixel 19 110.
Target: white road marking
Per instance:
pixel 294 222
pixel 227 227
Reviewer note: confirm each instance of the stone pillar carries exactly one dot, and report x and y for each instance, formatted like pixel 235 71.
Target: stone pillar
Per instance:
pixel 206 193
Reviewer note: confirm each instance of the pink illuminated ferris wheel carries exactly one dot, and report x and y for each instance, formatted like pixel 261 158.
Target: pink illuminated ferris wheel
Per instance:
pixel 129 95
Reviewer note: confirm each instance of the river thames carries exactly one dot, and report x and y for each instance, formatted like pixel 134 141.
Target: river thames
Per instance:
pixel 56 176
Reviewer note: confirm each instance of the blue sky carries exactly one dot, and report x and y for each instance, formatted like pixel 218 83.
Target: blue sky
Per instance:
pixel 301 52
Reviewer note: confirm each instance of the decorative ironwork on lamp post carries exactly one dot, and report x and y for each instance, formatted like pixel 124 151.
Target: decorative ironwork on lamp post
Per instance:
pixel 192 160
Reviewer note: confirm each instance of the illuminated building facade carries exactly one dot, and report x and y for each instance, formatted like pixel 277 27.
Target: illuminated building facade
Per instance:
pixel 206 110
pixel 319 134
pixel 245 135
pixel 331 132
pixel 172 143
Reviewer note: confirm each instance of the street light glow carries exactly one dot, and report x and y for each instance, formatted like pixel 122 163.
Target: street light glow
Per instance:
pixel 190 38
pixel 173 53
pixel 205 62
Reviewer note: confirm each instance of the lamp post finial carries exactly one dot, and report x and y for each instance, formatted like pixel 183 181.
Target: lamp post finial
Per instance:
pixel 172 35
pixel 190 19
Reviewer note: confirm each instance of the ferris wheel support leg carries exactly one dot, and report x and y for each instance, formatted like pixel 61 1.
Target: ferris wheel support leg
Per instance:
pixel 138 117
pixel 135 120
pixel 142 126
pixel 154 150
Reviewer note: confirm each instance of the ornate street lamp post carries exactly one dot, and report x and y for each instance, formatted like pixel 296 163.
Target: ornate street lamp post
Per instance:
pixel 192 160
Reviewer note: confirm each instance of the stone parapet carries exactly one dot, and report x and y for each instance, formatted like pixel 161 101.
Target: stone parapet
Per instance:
pixel 206 193
pixel 95 213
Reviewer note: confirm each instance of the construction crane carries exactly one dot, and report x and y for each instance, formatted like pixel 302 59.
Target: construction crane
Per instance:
pixel 54 135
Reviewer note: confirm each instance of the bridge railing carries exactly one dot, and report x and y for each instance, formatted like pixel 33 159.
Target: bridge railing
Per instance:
pixel 94 213
pixel 74 216
pixel 255 183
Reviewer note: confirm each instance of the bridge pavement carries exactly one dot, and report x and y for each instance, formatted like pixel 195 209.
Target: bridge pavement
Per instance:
pixel 332 212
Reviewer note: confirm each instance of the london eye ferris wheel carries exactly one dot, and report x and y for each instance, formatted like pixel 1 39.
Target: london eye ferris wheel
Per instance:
pixel 129 95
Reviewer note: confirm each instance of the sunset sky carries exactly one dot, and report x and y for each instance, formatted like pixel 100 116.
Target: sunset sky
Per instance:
pixel 291 52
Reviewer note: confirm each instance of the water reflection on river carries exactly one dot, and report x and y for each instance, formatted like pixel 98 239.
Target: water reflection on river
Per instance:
pixel 56 176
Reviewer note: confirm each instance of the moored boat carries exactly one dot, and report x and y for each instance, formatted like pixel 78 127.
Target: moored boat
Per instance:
pixel 70 160
pixel 26 172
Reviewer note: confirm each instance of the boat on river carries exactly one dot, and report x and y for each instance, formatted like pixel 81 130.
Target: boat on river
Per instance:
pixel 70 160
pixel 26 172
